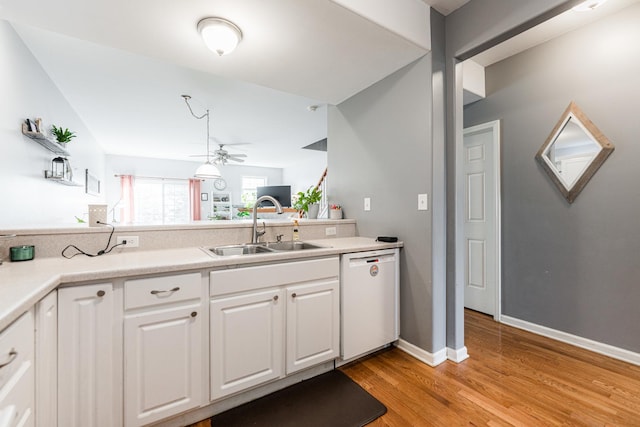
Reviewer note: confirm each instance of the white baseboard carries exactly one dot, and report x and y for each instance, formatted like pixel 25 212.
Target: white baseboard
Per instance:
pixel 431 359
pixel 595 346
pixel 457 355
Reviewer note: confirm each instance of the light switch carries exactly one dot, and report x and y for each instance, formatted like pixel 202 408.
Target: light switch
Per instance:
pixel 423 202
pixel 367 203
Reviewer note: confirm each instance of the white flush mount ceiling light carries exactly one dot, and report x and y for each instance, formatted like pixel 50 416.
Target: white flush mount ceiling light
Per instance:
pixel 588 5
pixel 220 35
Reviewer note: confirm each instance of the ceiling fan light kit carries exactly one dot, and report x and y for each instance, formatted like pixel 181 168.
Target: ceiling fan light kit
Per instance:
pixel 207 171
pixel 222 156
pixel 220 35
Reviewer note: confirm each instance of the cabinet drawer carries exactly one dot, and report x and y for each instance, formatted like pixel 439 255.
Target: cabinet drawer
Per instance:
pixel 161 290
pixel 16 346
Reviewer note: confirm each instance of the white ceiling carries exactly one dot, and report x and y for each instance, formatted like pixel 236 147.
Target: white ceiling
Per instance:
pixel 123 65
pixel 132 104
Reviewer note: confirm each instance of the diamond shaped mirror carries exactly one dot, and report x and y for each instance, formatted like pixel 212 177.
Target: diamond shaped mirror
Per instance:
pixel 573 153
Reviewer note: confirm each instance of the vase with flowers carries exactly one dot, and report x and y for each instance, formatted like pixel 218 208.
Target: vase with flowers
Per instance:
pixel 335 211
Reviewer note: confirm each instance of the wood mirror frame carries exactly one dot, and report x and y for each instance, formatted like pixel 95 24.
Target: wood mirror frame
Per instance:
pixel 573 112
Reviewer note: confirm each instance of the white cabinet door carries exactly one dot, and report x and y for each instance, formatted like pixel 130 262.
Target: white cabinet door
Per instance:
pixel 163 363
pixel 313 324
pixel 86 356
pixel 17 373
pixel 246 341
pixel 47 361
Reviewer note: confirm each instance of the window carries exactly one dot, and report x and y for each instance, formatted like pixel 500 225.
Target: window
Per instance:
pixel 249 188
pixel 161 201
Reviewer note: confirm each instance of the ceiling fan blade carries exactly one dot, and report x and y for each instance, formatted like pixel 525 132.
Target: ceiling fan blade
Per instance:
pixel 236 160
pixel 237 155
pixel 224 144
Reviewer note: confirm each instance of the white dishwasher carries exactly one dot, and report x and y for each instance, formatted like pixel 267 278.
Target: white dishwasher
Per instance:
pixel 369 301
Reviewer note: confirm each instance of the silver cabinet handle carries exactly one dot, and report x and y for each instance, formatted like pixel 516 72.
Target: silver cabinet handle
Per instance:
pixel 176 289
pixel 100 293
pixel 275 297
pixel 12 356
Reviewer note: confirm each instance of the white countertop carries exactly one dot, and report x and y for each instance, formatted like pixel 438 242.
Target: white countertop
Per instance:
pixel 22 284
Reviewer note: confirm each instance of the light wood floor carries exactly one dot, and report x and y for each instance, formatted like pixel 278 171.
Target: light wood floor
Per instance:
pixel 512 378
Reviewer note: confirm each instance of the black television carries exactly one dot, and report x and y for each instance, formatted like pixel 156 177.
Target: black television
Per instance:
pixel 282 193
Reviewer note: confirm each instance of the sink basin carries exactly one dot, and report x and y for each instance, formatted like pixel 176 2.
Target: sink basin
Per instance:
pixel 261 248
pixel 245 249
pixel 292 246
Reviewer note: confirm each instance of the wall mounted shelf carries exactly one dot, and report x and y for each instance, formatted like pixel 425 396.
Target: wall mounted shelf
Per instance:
pixel 61 180
pixel 47 143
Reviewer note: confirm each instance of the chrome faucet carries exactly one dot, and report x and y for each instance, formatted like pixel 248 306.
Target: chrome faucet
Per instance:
pixel 255 235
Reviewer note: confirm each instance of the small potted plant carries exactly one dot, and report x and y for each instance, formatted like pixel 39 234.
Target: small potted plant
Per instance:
pixel 307 201
pixel 62 135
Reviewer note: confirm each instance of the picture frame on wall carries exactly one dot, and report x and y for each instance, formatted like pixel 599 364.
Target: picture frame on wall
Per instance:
pixel 92 183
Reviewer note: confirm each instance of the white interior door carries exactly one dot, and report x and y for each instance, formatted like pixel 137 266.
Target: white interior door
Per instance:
pixel 481 246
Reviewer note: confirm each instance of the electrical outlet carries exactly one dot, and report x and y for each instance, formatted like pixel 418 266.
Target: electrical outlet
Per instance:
pixel 367 203
pixel 330 231
pixel 132 241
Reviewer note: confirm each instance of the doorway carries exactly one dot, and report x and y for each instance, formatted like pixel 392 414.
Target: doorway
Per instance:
pixel 479 202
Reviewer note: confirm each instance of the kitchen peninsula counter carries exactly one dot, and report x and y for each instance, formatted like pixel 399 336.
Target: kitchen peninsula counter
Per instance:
pixel 23 284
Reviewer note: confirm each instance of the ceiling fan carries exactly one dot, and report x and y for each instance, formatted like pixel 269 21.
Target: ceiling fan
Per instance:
pixel 222 156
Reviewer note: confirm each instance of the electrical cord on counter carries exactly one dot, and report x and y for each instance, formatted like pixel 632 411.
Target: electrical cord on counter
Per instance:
pixel 104 251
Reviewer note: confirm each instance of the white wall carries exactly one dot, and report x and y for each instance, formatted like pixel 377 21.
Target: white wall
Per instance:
pixel 26 198
pixel 303 175
pixel 140 166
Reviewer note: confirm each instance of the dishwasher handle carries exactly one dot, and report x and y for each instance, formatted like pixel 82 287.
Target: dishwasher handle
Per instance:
pixel 355 262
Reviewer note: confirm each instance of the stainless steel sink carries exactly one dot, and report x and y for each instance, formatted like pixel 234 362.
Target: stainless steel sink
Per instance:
pixel 261 248
pixel 292 246
pixel 244 249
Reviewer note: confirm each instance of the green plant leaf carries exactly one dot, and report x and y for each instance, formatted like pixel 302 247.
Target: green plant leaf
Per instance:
pixel 62 135
pixel 311 196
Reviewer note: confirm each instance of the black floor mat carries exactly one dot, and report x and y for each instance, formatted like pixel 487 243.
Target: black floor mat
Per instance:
pixel 328 400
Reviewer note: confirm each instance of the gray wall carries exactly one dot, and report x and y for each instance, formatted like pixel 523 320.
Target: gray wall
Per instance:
pixel 380 147
pixel 486 22
pixel 476 26
pixel 571 267
pixel 438 195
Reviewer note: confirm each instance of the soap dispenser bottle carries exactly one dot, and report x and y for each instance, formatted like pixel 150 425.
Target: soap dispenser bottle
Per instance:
pixel 296 235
